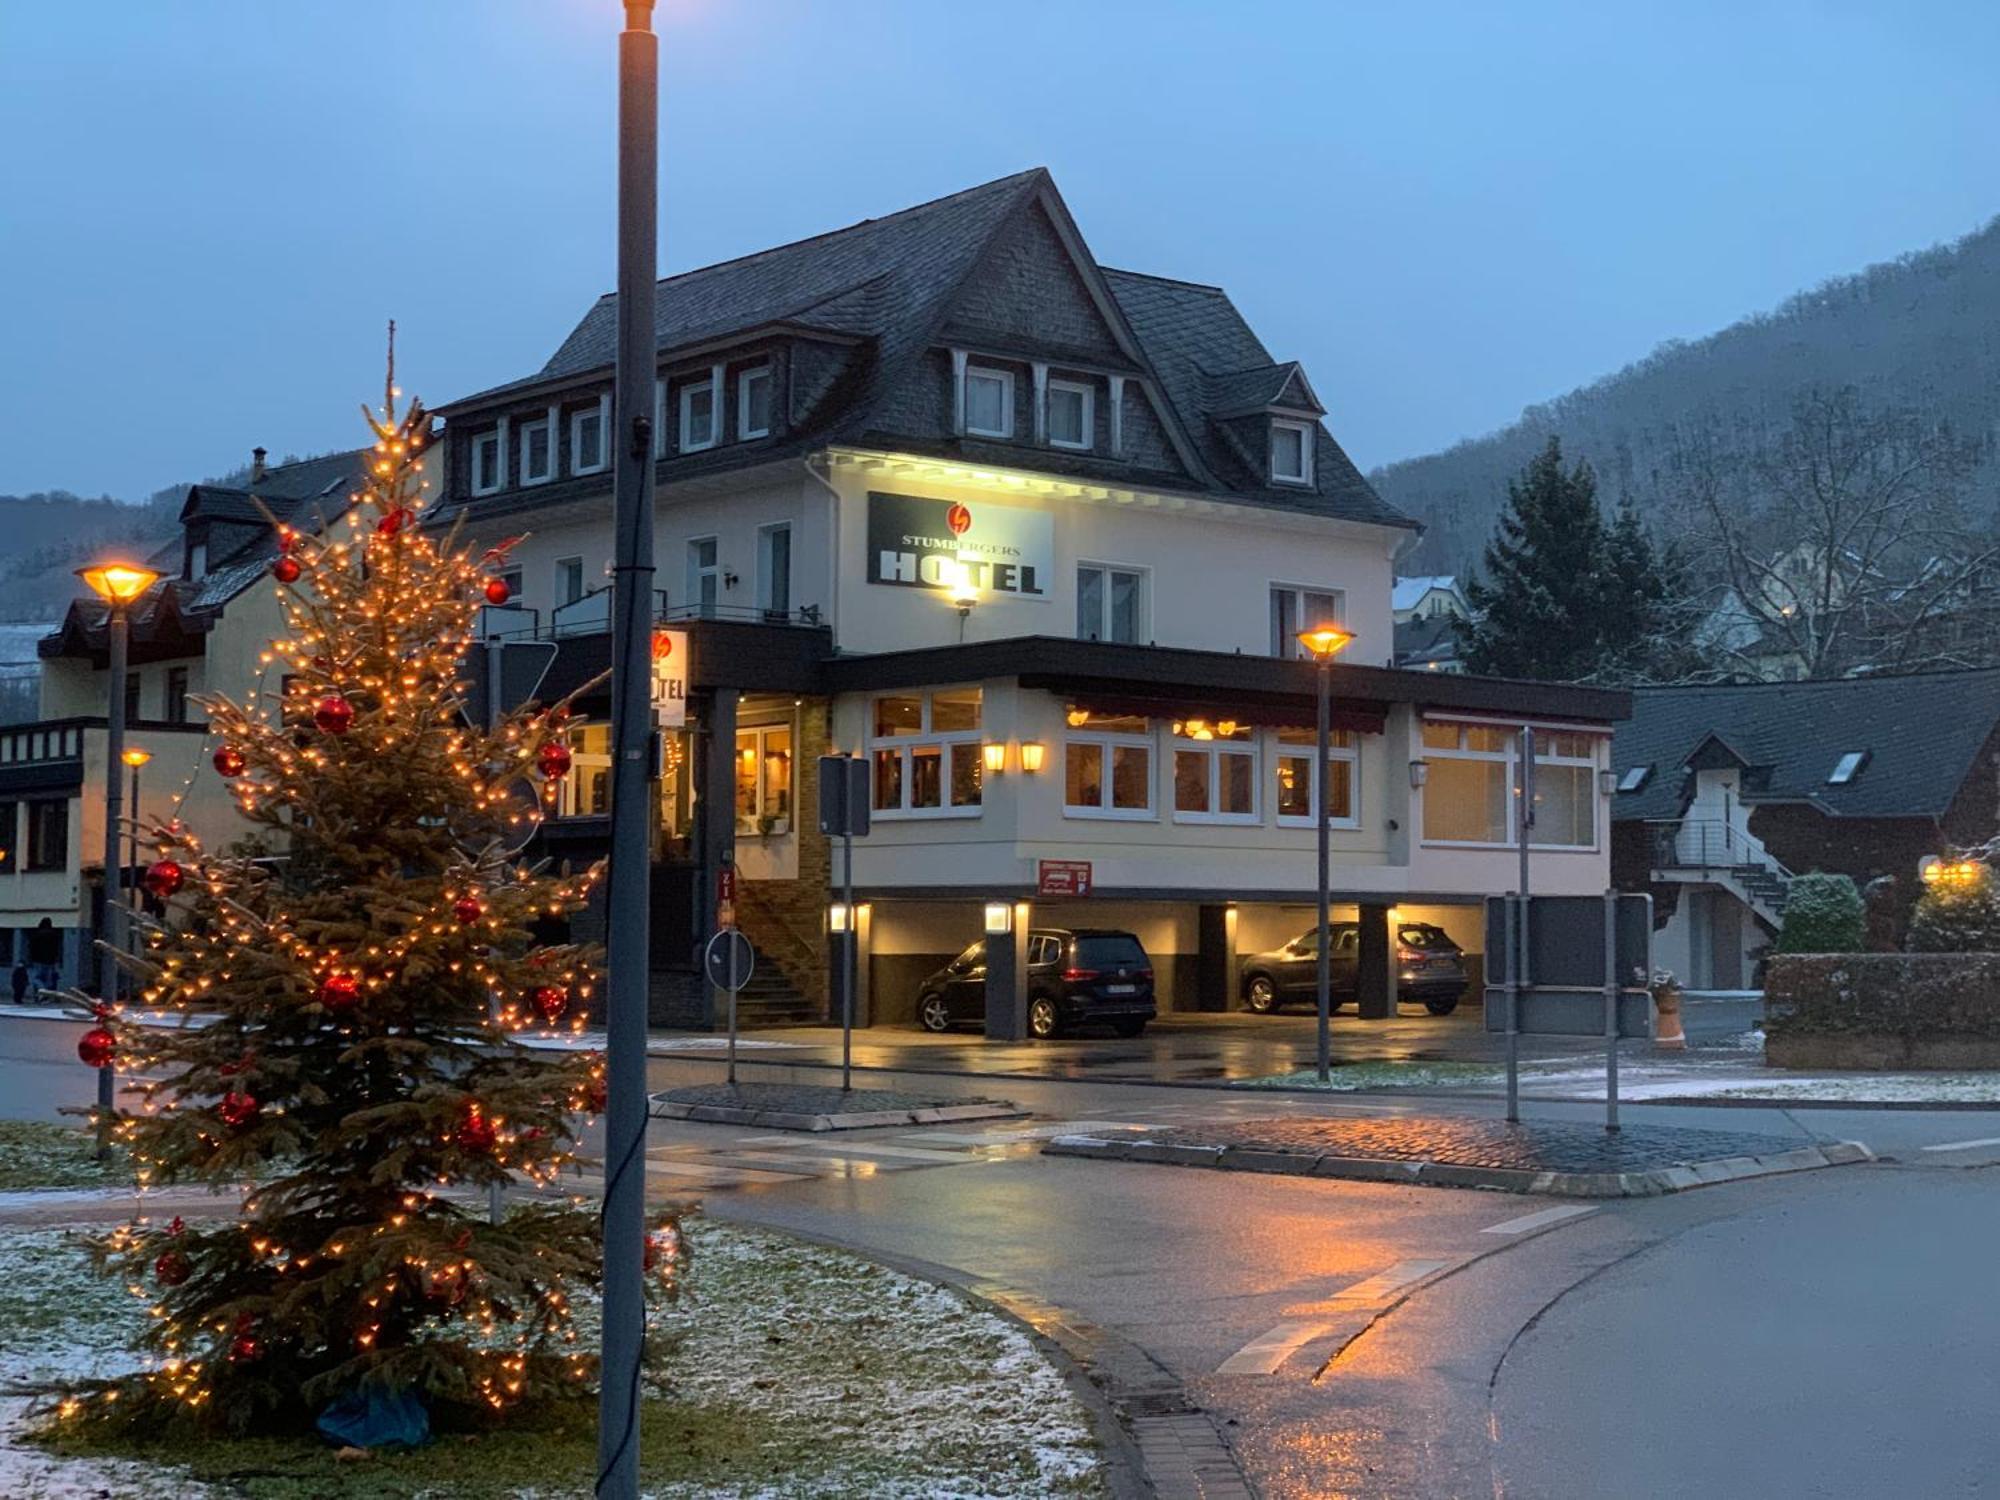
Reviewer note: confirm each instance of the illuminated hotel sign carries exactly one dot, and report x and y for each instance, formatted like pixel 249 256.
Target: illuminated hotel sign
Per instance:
pixel 940 544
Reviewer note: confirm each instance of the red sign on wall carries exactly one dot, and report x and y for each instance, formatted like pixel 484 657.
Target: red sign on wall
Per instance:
pixel 725 884
pixel 1063 877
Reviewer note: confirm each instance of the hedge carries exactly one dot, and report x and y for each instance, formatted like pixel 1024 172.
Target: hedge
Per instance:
pixel 1882 1010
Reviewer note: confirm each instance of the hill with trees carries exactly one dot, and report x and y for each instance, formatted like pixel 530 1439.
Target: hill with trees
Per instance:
pixel 1918 337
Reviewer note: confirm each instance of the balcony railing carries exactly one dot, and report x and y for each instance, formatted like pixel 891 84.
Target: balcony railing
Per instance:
pixel 1710 844
pixel 591 615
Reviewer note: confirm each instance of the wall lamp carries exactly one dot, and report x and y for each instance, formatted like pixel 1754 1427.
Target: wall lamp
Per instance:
pixel 1607 783
pixel 1033 753
pixel 994 754
pixel 1420 772
pixel 999 918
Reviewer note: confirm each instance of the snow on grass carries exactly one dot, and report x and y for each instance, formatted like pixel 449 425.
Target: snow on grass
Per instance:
pixel 38 1155
pixel 830 1376
pixel 1368 1077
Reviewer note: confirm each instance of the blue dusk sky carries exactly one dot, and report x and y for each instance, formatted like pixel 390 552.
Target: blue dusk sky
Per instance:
pixel 1447 211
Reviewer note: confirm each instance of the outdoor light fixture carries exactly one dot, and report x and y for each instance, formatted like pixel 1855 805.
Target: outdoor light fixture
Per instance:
pixel 1607 783
pixel 1420 772
pixel 1033 752
pixel 118 583
pixel 1930 869
pixel 136 757
pixel 837 917
pixel 994 754
pixel 999 918
pixel 1325 641
pixel 1076 718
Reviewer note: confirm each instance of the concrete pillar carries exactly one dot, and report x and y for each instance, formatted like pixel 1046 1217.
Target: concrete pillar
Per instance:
pixel 1215 957
pixel 1007 971
pixel 1375 968
pixel 860 933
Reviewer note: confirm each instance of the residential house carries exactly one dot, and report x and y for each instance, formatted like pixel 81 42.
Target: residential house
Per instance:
pixel 1724 792
pixel 1036 537
pixel 1426 612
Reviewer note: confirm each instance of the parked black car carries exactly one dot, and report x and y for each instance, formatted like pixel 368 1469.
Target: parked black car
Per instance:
pixel 1430 968
pixel 1077 976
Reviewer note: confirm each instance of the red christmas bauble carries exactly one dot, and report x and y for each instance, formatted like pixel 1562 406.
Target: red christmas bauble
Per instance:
pixel 497 591
pixel 244 1346
pixel 172 1268
pixel 340 992
pixel 553 759
pixel 229 761
pixel 96 1047
pixel 468 910
pixel 475 1132
pixel 238 1108
pixel 393 522
pixel 286 569
pixel 163 877
pixel 550 1002
pixel 333 714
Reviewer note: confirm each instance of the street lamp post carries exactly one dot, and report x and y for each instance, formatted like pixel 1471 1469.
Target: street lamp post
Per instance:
pixel 136 759
pixel 627 896
pixel 118 585
pixel 1325 642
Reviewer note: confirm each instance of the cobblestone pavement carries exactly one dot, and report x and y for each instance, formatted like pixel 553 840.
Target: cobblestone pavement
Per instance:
pixel 1542 1146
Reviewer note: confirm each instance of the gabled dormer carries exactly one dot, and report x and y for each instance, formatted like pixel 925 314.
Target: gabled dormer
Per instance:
pixel 1269 416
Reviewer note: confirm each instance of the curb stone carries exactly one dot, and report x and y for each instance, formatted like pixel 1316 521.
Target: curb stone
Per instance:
pixel 1674 1179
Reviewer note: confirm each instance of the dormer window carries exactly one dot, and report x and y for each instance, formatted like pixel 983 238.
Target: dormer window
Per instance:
pixel 538 451
pixel 1291 452
pixel 698 415
pixel 486 472
pixel 586 438
pixel 989 403
pixel 1071 414
pixel 753 403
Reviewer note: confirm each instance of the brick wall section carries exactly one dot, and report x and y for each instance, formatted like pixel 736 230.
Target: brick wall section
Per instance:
pixel 785 919
pixel 1806 839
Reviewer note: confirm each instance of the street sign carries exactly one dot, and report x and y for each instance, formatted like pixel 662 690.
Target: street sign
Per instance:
pixel 843 796
pixel 729 960
pixel 1063 877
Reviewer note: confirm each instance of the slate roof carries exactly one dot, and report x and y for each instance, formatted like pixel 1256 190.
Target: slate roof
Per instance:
pixel 1418 643
pixel 1922 732
pixel 894 280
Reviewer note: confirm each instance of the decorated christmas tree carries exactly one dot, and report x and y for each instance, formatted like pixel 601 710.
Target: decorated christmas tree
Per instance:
pixel 352 1061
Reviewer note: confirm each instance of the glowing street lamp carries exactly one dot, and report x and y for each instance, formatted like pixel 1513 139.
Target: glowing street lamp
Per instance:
pixel 135 758
pixel 1325 642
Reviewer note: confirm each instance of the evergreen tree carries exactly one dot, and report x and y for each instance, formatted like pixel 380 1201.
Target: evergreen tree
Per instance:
pixel 361 1068
pixel 1535 604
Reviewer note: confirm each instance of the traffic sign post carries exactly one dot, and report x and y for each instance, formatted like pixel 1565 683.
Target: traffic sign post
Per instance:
pixel 844 802
pixel 729 961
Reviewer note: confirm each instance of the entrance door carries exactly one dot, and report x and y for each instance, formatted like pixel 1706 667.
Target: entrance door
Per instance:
pixel 1725 941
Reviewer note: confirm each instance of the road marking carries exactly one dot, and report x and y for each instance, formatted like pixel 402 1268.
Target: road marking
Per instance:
pixel 1263 1354
pixel 1535 1221
pixel 875 1148
pixel 1991 1140
pixel 1383 1286
pixel 718 1176
pixel 1021 1136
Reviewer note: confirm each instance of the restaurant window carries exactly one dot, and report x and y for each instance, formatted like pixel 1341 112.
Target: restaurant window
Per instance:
pixel 764 780
pixel 1107 765
pixel 1297 749
pixel 10 833
pixel 1565 790
pixel 586 790
pixel 48 834
pixel 926 753
pixel 1215 771
pixel 1469 787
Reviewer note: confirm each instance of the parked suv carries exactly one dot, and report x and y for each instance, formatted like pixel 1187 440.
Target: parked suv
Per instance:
pixel 1077 976
pixel 1430 968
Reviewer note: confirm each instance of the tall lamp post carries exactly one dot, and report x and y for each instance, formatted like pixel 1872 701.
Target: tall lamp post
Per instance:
pixel 627 897
pixel 1325 642
pixel 136 759
pixel 118 585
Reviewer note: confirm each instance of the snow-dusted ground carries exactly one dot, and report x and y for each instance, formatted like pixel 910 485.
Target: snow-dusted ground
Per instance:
pixel 913 1392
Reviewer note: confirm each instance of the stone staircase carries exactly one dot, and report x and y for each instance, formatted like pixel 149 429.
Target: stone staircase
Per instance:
pixel 789 986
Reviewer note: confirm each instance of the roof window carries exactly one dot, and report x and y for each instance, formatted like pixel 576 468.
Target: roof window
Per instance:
pixel 1847 767
pixel 1635 778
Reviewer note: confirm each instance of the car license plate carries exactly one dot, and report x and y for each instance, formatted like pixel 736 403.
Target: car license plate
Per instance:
pixel 1120 989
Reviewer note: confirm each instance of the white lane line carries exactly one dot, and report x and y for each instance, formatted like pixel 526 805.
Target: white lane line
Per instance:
pixel 1029 1133
pixel 1382 1287
pixel 1263 1354
pixel 1991 1140
pixel 876 1148
pixel 718 1176
pixel 1535 1221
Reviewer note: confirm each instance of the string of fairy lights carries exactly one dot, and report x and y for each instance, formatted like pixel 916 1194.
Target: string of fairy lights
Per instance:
pixel 271 982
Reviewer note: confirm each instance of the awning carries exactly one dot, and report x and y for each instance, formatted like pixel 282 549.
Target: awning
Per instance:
pixel 1358 718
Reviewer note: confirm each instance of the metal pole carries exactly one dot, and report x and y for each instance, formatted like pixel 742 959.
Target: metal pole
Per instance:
pixel 850 968
pixel 118 631
pixel 132 851
pixel 1524 822
pixel 1325 974
pixel 1610 1010
pixel 628 896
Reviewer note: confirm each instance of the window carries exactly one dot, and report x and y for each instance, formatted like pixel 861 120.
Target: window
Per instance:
pixel 764 780
pixel 698 415
pixel 1469 791
pixel 586 439
pixel 1215 772
pixel 511 576
pixel 774 572
pixel 1110 603
pixel 1297 749
pixel 925 749
pixel 1291 452
pixel 1294 608
pixel 753 403
pixel 487 475
pixel 177 695
pixel 1847 768
pixel 586 791
pixel 569 580
pixel 538 451
pixel 1635 778
pixel 989 403
pixel 131 696
pixel 1072 415
pixel 10 831
pixel 48 834
pixel 1107 766
pixel 704 575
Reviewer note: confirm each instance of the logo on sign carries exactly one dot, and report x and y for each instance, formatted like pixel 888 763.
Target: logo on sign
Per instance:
pixel 1063 877
pixel 915 542
pixel 959 519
